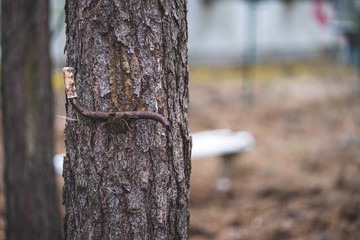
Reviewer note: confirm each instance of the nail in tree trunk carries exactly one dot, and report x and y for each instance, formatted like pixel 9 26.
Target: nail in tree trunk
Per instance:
pixel 127 179
pixel 31 196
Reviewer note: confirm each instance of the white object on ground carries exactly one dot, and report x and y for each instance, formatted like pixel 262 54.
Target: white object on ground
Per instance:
pixel 58 162
pixel 223 184
pixel 221 142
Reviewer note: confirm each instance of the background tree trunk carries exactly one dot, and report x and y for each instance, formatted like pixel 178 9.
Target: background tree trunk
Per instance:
pixel 127 180
pixel 32 210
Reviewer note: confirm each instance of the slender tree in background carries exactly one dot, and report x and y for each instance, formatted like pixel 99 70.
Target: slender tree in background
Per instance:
pixel 127 179
pixel 31 199
pixel 248 87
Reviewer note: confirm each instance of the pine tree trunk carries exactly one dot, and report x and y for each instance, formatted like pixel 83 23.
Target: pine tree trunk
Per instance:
pixel 127 179
pixel 31 196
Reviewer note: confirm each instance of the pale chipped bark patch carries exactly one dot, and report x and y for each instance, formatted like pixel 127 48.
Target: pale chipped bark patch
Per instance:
pixel 69 80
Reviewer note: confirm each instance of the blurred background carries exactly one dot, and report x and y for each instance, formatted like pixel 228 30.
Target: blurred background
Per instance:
pixel 286 71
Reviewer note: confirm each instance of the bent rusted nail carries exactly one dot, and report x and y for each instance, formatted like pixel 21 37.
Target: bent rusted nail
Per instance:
pixel 71 95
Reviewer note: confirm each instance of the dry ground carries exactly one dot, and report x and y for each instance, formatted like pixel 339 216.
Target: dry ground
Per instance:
pixel 302 181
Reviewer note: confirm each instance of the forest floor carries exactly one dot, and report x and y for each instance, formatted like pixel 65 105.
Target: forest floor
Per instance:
pixel 301 181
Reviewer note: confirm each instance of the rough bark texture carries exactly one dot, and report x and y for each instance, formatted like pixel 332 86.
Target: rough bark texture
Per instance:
pixel 127 180
pixel 32 206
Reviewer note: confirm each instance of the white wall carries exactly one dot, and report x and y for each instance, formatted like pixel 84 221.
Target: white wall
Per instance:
pixel 219 32
pixel 58 39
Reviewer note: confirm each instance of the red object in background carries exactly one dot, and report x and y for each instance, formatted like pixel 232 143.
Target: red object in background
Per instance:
pixel 320 13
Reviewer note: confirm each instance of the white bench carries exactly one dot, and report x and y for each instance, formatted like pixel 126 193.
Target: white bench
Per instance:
pixel 227 145
pixel 221 142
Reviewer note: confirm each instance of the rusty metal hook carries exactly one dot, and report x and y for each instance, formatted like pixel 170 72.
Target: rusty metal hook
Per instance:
pixel 71 95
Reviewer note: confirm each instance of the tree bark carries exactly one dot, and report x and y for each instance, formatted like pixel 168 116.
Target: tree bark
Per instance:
pixel 127 179
pixel 31 196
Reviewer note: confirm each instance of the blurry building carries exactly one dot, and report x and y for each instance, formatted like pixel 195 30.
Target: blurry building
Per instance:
pixel 219 30
pixel 57 28
pixel 224 30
